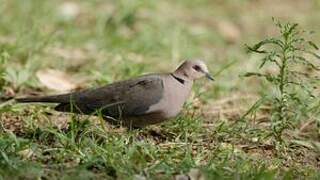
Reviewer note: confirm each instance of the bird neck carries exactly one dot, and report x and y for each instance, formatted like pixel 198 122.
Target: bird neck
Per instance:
pixel 181 77
pixel 177 78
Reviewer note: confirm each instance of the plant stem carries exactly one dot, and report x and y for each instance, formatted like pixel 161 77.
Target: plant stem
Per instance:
pixel 282 87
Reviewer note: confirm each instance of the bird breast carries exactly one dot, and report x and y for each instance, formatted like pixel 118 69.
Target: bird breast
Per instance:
pixel 175 95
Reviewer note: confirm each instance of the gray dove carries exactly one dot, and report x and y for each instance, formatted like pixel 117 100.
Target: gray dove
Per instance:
pixel 136 102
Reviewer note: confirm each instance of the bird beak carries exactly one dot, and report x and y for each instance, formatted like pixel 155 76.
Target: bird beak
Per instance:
pixel 209 76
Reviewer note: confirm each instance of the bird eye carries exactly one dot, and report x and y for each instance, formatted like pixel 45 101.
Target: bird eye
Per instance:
pixel 196 67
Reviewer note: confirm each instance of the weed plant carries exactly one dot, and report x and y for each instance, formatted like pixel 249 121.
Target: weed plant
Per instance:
pixel 290 59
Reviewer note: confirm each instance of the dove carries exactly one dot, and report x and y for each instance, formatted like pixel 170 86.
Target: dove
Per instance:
pixel 136 102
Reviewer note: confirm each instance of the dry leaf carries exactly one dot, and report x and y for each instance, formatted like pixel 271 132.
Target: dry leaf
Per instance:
pixel 196 174
pixel 9 92
pixel 69 10
pixel 26 154
pixel 56 80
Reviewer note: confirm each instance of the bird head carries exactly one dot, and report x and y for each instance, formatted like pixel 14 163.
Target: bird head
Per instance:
pixel 193 69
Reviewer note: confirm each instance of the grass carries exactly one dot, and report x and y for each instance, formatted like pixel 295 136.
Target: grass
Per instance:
pixel 98 42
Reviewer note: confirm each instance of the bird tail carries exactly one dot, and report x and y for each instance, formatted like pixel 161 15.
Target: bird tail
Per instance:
pixel 48 99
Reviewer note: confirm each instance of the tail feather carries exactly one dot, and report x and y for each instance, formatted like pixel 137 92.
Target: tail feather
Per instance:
pixel 49 99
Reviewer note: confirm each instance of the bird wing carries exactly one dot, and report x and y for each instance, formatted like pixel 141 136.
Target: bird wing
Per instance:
pixel 126 98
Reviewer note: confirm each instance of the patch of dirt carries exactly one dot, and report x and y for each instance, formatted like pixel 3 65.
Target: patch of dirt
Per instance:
pixel 15 122
pixel 231 107
pixel 12 122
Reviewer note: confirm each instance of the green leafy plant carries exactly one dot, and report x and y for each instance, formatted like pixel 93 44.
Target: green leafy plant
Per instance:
pixel 4 56
pixel 293 74
pixel 17 76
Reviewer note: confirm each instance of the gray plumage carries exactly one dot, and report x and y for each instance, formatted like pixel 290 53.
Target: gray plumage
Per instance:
pixel 135 102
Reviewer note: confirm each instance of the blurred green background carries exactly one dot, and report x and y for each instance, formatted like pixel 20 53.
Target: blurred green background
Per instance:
pixel 107 40
pixel 100 41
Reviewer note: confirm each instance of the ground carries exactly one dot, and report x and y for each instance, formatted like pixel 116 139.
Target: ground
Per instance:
pixel 54 46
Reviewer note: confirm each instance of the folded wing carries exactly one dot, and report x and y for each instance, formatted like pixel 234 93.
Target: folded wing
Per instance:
pixel 126 98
